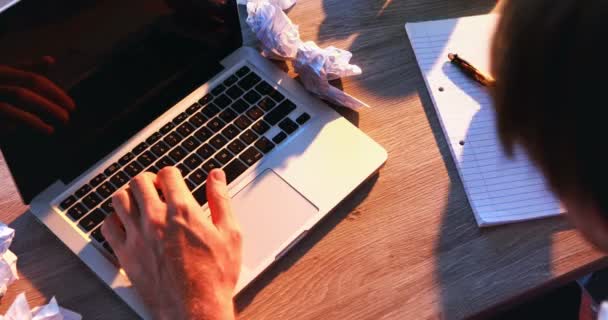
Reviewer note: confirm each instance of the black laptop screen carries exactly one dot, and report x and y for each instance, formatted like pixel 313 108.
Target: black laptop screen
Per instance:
pixel 122 63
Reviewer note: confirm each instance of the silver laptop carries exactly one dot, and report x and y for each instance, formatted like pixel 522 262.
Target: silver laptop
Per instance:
pixel 158 87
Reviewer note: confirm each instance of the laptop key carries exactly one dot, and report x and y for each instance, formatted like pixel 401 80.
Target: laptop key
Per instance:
pixel 251 156
pixel 164 162
pixel 154 137
pixel 222 101
pixel 276 95
pixel 172 139
pixel 267 104
pixel 91 200
pixel 193 161
pixel 167 128
pixel 77 211
pixel 242 122
pixel 255 113
pixel 216 124
pixel 230 131
pixel 279 137
pixel 236 146
pixel 198 120
pixel 180 118
pixel 154 169
pixel 183 169
pixel 264 88
pixel 193 108
pixel 67 202
pixel 178 153
pixel 243 71
pixel 203 134
pixel 111 169
pixel 235 92
pixel 234 169
pixel 264 144
pixel 218 90
pixel 205 151
pixel 126 158
pixel 200 195
pixel 218 141
pixel 185 129
pixel 230 80
pixel 91 220
pixel 228 115
pixel 249 81
pixel 223 156
pixel 260 127
pixel 146 158
pixel 119 179
pixel 191 144
pixel 140 148
pixel 97 180
pixel 240 105
pixel 280 112
pixel 248 137
pixel 303 118
pixel 210 110
pixel 106 189
pixel 83 190
pixel 191 185
pixel 97 235
pixel 107 206
pixel 288 126
pixel 204 100
pixel 252 97
pixel 133 169
pixel 199 176
pixel 210 165
pixel 160 148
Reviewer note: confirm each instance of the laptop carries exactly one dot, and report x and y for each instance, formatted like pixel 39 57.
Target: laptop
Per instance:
pixel 156 84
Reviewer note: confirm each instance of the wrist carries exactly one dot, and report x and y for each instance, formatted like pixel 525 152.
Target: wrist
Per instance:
pixel 213 307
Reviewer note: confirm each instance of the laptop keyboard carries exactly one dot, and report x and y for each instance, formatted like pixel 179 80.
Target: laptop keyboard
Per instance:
pixel 226 129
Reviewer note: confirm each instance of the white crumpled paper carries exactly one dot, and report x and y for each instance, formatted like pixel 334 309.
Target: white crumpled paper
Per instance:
pixel 8 260
pixel 20 309
pixel 280 40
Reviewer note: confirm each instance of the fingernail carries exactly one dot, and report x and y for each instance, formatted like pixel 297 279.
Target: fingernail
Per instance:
pixel 219 175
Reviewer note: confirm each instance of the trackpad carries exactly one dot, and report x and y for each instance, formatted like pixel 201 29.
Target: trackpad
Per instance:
pixel 270 213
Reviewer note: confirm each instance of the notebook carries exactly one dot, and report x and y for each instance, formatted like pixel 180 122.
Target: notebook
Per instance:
pixel 500 189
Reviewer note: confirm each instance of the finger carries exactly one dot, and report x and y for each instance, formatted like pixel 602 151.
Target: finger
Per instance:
pixel 125 208
pixel 40 65
pixel 143 188
pixel 174 189
pixel 34 103
pixel 37 83
pixel 113 232
pixel 219 201
pixel 18 116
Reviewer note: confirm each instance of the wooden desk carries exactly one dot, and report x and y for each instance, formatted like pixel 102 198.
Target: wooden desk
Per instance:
pixel 403 246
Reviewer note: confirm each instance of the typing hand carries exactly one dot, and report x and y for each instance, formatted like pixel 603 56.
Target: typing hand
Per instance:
pixel 28 99
pixel 184 265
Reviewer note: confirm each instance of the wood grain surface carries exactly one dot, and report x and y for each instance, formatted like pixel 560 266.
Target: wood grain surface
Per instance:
pixel 403 246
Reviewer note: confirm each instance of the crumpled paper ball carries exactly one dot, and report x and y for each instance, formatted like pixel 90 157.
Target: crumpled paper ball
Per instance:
pixel 8 260
pixel 280 40
pixel 20 310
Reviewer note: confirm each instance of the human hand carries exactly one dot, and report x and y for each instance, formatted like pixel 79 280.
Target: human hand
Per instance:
pixel 28 99
pixel 183 264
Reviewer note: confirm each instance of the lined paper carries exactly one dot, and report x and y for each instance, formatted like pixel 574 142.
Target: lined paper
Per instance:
pixel 499 189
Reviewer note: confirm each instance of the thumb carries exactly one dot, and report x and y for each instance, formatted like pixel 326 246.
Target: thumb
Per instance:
pixel 219 201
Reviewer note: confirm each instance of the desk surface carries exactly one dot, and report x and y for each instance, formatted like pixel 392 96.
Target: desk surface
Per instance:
pixel 404 245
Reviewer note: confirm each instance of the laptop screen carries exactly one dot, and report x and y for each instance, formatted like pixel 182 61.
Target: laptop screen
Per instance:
pixel 122 63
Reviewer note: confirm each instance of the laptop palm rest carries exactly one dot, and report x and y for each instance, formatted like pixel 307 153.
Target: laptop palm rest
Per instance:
pixel 270 213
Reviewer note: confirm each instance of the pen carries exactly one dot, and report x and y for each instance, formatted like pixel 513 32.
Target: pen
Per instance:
pixel 471 71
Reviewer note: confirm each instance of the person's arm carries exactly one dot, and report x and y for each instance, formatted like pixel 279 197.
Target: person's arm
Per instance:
pixel 183 264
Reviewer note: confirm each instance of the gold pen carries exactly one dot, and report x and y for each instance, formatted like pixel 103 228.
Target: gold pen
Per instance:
pixel 471 71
